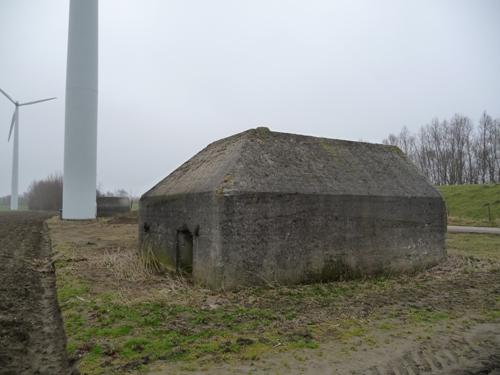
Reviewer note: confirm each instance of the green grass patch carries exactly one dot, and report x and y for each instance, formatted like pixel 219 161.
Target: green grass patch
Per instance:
pixel 322 293
pixel 71 291
pixel 483 246
pixel 493 314
pixel 303 344
pixel 386 326
pixel 428 316
pixel 103 330
pixel 352 328
pixel 108 333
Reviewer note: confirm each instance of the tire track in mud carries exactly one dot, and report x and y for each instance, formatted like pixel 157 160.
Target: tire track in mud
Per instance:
pixel 32 339
pixel 475 352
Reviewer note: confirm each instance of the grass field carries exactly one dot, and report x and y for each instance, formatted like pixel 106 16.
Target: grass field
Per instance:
pixel 484 246
pixel 22 207
pixel 468 204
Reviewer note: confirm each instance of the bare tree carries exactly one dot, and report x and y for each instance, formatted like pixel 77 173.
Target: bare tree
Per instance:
pixel 46 194
pixel 452 152
pixel 459 132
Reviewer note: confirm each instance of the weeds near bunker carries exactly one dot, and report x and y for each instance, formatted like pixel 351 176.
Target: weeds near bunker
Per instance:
pixel 149 259
pixel 126 264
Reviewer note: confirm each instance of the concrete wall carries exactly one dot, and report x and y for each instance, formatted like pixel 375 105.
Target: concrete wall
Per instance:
pixel 160 220
pixel 292 238
pixel 111 206
pixel 255 239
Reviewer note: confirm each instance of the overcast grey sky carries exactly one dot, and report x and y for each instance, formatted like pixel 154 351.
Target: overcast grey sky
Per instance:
pixel 176 75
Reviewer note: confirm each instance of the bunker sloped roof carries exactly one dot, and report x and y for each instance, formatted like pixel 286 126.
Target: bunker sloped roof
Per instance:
pixel 260 160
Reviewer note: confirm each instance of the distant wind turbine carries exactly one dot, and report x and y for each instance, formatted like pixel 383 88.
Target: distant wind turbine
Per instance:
pixel 14 126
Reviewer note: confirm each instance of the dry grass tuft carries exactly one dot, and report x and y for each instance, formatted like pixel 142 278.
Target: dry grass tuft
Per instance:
pixel 107 256
pixel 132 265
pixel 125 264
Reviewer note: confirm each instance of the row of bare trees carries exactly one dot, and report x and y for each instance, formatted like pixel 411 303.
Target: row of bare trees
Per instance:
pixel 46 194
pixel 454 151
pixel 43 195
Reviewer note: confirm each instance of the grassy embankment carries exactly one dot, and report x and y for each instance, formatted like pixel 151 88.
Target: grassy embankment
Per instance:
pixel 477 205
pixel 120 317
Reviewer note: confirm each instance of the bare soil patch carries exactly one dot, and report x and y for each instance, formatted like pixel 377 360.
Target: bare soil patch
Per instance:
pixel 32 339
pixel 121 317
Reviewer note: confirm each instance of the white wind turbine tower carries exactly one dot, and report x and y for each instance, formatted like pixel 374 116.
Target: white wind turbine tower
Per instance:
pixel 14 125
pixel 80 137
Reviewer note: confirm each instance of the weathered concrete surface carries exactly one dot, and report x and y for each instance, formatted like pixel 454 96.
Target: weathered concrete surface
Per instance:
pixel 162 220
pixel 111 206
pixel 32 339
pixel 290 238
pixel 266 207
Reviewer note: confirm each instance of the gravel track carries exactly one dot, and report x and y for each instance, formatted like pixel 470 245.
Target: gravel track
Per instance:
pixel 481 230
pixel 32 339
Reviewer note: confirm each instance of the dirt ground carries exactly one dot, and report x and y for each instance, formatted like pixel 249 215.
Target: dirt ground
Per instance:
pixel 32 339
pixel 123 318
pixel 461 341
pixel 120 319
pixel 460 349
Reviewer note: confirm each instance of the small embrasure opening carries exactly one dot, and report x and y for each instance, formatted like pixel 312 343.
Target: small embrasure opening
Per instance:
pixel 184 261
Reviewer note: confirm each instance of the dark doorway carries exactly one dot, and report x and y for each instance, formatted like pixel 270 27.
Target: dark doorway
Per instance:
pixel 184 251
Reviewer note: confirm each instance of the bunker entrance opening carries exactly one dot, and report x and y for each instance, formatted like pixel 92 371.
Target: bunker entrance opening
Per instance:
pixel 184 256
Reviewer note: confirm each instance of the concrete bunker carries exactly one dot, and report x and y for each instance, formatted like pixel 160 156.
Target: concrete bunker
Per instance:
pixel 262 207
pixel 112 206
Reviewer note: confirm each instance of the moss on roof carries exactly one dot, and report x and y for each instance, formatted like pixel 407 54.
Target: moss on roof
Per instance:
pixel 260 160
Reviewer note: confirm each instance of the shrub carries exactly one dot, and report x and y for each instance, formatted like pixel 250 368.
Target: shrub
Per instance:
pixel 46 194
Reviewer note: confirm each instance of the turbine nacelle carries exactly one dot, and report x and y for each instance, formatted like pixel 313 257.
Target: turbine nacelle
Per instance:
pixel 15 115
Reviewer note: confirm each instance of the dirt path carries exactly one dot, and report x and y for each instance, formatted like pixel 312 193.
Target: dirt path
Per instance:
pixel 32 339
pixel 463 229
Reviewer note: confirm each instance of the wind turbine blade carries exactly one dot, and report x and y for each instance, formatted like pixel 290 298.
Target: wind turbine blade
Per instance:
pixel 14 119
pixel 37 101
pixel 7 96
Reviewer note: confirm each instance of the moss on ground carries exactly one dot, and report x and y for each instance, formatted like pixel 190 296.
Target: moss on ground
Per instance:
pixel 428 315
pixel 103 329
